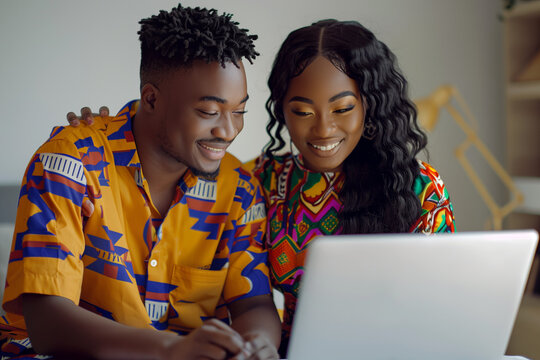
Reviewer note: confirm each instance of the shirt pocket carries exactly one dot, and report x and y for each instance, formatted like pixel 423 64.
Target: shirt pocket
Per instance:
pixel 197 294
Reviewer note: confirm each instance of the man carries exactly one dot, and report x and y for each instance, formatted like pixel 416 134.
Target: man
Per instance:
pixel 175 238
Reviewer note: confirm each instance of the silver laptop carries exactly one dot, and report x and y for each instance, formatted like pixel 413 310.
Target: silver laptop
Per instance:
pixel 411 296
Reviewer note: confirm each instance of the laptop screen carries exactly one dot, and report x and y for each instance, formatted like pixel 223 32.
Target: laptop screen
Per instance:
pixel 411 296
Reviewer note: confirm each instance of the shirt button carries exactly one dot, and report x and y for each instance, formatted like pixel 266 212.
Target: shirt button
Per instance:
pixel 153 263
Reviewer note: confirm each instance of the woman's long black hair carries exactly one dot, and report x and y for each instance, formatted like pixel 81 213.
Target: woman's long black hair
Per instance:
pixel 378 193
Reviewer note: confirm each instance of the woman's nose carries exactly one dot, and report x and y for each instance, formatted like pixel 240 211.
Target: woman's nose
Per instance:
pixel 324 125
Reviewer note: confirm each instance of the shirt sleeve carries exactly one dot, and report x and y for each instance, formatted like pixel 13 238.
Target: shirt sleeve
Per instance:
pixel 248 264
pixel 48 239
pixel 437 211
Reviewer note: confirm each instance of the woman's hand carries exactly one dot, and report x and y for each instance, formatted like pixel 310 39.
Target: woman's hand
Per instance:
pixel 86 115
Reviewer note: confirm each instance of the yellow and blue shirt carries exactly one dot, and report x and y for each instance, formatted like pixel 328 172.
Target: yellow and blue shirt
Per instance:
pixel 126 262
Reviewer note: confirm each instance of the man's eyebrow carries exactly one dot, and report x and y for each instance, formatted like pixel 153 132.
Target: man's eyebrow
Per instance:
pixel 220 100
pixel 342 94
pixel 301 99
pixel 213 98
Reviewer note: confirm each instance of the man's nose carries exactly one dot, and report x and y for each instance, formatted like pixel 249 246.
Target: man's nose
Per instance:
pixel 228 127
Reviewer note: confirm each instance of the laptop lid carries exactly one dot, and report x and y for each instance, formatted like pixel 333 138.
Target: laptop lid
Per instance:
pixel 411 296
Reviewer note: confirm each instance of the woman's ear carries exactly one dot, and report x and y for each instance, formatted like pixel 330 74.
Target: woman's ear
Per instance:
pixel 149 95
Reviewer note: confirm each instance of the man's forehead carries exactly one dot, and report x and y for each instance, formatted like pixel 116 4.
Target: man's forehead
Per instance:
pixel 210 82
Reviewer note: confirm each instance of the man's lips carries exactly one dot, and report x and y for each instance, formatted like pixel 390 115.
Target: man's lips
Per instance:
pixel 213 150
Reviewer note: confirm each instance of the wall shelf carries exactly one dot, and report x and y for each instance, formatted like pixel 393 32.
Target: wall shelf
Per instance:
pixel 523 9
pixel 521 31
pixel 524 90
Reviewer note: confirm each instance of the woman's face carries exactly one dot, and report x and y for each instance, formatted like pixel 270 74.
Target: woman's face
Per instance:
pixel 324 114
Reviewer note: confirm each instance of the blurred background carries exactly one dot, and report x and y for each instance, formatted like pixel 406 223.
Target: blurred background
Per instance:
pixel 60 55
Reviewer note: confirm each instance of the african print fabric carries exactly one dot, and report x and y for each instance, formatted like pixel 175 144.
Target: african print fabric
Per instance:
pixel 126 262
pixel 302 204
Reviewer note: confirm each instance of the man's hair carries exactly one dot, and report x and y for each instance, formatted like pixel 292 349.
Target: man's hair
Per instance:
pixel 174 39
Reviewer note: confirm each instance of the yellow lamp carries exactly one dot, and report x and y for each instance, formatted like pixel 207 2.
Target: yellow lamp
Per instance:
pixel 428 115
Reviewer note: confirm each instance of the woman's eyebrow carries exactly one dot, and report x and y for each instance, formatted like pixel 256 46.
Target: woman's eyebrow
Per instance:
pixel 301 99
pixel 342 94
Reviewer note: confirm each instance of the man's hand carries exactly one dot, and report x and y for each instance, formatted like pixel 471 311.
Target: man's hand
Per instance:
pixel 213 340
pixel 256 318
pixel 59 327
pixel 87 208
pixel 260 347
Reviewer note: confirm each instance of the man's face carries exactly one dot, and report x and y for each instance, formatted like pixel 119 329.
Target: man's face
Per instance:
pixel 201 110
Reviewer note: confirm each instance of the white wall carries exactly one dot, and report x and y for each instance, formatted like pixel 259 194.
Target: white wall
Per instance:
pixel 60 55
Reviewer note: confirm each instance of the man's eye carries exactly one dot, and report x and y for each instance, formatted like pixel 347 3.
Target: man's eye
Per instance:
pixel 208 113
pixel 344 110
pixel 240 112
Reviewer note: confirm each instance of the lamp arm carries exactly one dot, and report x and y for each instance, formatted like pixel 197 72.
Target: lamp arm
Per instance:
pixel 472 139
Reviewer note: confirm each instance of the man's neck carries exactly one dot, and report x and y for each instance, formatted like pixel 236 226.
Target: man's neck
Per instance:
pixel 161 172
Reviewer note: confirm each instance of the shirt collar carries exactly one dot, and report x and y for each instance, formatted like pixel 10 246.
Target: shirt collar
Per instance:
pixel 120 135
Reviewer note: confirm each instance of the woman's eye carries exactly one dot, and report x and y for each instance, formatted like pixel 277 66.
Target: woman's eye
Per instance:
pixel 344 110
pixel 240 112
pixel 301 113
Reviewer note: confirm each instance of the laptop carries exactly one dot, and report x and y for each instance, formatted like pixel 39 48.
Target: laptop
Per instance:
pixel 411 296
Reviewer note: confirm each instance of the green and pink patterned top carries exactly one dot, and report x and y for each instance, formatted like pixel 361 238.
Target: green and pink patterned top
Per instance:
pixel 302 204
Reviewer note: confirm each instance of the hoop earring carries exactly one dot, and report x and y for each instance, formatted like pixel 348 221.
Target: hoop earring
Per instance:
pixel 370 130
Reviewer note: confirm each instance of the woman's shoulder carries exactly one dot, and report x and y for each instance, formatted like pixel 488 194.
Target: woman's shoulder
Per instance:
pixel 266 164
pixel 267 169
pixel 437 211
pixel 429 178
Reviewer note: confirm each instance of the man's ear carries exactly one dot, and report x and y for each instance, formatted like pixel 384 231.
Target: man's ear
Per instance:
pixel 149 96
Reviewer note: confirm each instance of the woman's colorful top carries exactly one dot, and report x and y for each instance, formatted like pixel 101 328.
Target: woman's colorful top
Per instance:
pixel 302 204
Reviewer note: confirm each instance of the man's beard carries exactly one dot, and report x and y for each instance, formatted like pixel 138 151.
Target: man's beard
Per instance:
pixel 166 148
pixel 203 174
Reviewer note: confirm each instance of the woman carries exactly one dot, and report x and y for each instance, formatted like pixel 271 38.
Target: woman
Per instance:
pixel 339 93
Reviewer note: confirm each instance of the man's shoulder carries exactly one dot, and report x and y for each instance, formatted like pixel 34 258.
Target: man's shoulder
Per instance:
pixel 69 137
pixel 233 173
pixel 73 133
pixel 230 162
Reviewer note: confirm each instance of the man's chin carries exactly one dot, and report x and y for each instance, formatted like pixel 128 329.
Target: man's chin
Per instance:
pixel 204 174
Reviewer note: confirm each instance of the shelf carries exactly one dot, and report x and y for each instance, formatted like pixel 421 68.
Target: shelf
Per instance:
pixel 524 90
pixel 530 187
pixel 523 9
pixel 521 36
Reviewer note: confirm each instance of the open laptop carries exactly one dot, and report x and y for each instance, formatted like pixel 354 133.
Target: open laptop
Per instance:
pixel 411 296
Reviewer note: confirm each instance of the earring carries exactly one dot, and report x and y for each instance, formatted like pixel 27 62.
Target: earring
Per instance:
pixel 370 130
